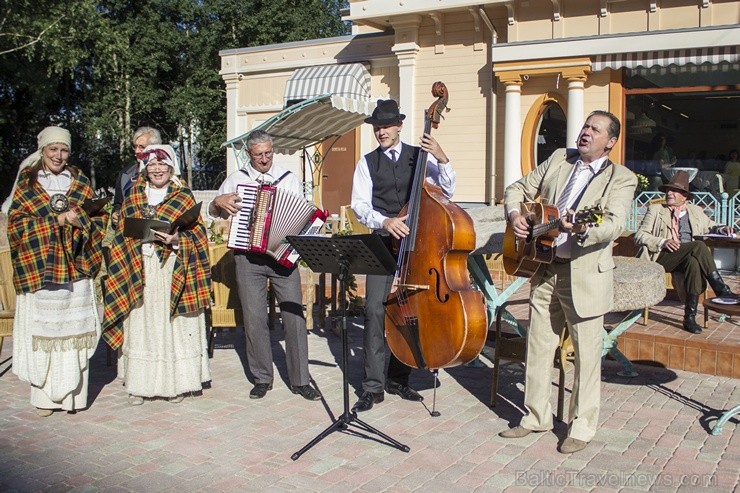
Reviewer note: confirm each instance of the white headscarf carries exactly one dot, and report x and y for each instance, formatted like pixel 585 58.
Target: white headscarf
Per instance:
pixel 49 135
pixel 169 158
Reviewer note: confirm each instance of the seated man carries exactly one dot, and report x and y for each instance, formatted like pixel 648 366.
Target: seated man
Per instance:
pixel 666 237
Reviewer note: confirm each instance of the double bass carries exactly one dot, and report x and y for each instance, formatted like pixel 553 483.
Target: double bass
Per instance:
pixel 434 318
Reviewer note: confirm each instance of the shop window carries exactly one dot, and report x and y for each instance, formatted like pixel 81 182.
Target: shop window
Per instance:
pixel 683 117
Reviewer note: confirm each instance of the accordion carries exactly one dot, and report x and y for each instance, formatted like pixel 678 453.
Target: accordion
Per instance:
pixel 268 215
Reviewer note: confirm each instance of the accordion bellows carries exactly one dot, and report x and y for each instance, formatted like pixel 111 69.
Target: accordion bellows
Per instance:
pixel 268 215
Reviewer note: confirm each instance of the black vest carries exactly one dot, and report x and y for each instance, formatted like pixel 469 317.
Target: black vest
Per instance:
pixel 392 181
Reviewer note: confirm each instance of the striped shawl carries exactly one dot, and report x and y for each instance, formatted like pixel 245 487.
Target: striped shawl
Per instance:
pixel 191 278
pixel 42 251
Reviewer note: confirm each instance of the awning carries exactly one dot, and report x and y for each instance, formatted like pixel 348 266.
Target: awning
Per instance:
pixel 350 80
pixel 309 122
pixel 647 59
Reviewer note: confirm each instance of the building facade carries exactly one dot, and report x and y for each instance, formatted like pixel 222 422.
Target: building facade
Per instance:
pixel 522 76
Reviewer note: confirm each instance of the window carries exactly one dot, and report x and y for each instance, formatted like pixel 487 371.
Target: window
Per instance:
pixel 550 133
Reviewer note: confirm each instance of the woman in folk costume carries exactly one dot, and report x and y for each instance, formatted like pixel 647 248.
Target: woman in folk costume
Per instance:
pixel 157 292
pixel 55 248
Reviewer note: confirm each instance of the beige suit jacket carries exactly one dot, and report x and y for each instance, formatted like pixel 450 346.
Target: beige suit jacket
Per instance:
pixel 592 265
pixel 657 225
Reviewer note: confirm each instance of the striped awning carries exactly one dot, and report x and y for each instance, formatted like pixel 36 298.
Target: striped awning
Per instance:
pixel 350 80
pixel 307 123
pixel 679 58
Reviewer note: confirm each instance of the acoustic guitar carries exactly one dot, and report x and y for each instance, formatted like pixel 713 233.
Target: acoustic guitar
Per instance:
pixel 523 256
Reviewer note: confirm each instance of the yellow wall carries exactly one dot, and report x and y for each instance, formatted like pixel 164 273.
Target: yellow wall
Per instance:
pixel 535 19
pixel 263 91
pixel 466 73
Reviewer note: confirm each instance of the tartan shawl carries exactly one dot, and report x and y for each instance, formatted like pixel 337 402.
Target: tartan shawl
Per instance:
pixel 41 250
pixel 191 278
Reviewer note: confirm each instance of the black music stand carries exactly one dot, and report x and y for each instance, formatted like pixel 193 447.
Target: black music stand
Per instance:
pixel 343 255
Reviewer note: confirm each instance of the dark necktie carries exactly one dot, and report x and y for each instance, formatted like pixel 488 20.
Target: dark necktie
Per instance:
pixel 393 155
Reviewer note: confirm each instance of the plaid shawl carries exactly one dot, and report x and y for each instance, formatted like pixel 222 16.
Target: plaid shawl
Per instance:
pixel 41 250
pixel 191 278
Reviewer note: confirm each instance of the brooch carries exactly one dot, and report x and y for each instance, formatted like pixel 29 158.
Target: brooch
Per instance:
pixel 59 203
pixel 149 212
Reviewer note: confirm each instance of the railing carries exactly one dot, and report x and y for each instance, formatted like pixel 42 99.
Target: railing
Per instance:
pixel 722 210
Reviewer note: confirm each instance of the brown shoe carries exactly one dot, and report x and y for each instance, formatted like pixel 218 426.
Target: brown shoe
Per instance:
pixel 44 413
pixel 571 445
pixel 518 432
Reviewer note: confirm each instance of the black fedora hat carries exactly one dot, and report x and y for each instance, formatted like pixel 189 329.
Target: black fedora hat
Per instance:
pixel 680 182
pixel 385 113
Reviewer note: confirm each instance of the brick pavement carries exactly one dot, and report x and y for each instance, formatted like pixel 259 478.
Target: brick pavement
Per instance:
pixel 654 432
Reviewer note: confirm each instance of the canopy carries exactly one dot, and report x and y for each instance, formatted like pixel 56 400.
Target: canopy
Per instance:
pixel 698 56
pixel 308 123
pixel 351 80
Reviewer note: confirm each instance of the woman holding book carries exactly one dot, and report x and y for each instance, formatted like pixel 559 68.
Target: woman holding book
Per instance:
pixel 157 291
pixel 55 248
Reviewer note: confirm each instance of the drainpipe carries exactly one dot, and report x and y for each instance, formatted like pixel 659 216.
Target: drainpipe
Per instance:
pixel 491 172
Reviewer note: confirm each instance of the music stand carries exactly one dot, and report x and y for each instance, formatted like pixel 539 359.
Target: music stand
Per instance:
pixel 343 255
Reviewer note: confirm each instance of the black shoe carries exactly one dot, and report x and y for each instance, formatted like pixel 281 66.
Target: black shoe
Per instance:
pixel 690 325
pixel 307 392
pixel 366 401
pixel 260 390
pixel 406 392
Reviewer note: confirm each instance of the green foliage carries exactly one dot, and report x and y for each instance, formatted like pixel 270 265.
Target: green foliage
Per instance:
pixel 102 68
pixel 215 233
pixel 642 184
pixel 355 303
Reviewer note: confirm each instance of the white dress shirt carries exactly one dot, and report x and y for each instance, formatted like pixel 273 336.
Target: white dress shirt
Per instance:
pixel 564 240
pixel 362 186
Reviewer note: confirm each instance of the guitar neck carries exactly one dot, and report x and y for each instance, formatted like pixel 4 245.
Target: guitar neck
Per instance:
pixel 540 229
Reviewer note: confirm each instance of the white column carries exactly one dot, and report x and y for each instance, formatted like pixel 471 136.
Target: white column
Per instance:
pixel 232 124
pixel 575 117
pixel 406 49
pixel 406 89
pixel 513 133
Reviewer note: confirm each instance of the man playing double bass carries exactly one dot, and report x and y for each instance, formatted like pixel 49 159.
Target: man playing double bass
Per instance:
pixel 577 287
pixel 381 187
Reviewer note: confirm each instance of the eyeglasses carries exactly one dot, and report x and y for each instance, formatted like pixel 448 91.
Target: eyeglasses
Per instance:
pixel 156 164
pixel 153 155
pixel 267 155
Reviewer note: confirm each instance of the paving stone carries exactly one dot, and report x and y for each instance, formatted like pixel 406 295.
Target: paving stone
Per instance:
pixel 223 441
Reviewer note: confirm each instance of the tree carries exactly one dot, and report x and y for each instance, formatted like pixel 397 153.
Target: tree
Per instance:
pixel 103 68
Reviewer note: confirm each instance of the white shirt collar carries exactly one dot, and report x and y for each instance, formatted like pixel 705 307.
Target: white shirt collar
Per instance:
pixel 46 173
pixel 595 165
pixel 396 148
pixel 268 176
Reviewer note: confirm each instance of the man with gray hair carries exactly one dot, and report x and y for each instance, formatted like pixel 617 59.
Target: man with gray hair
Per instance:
pixel 143 136
pixel 253 270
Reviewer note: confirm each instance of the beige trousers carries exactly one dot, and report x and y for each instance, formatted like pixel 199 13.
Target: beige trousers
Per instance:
pixel 551 307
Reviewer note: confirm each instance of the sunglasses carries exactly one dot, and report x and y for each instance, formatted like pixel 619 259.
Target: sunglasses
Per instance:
pixel 153 155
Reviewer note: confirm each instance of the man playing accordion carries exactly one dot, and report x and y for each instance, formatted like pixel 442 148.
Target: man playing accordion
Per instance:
pixel 253 271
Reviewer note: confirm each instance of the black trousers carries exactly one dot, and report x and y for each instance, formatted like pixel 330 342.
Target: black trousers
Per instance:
pixel 694 260
pixel 377 289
